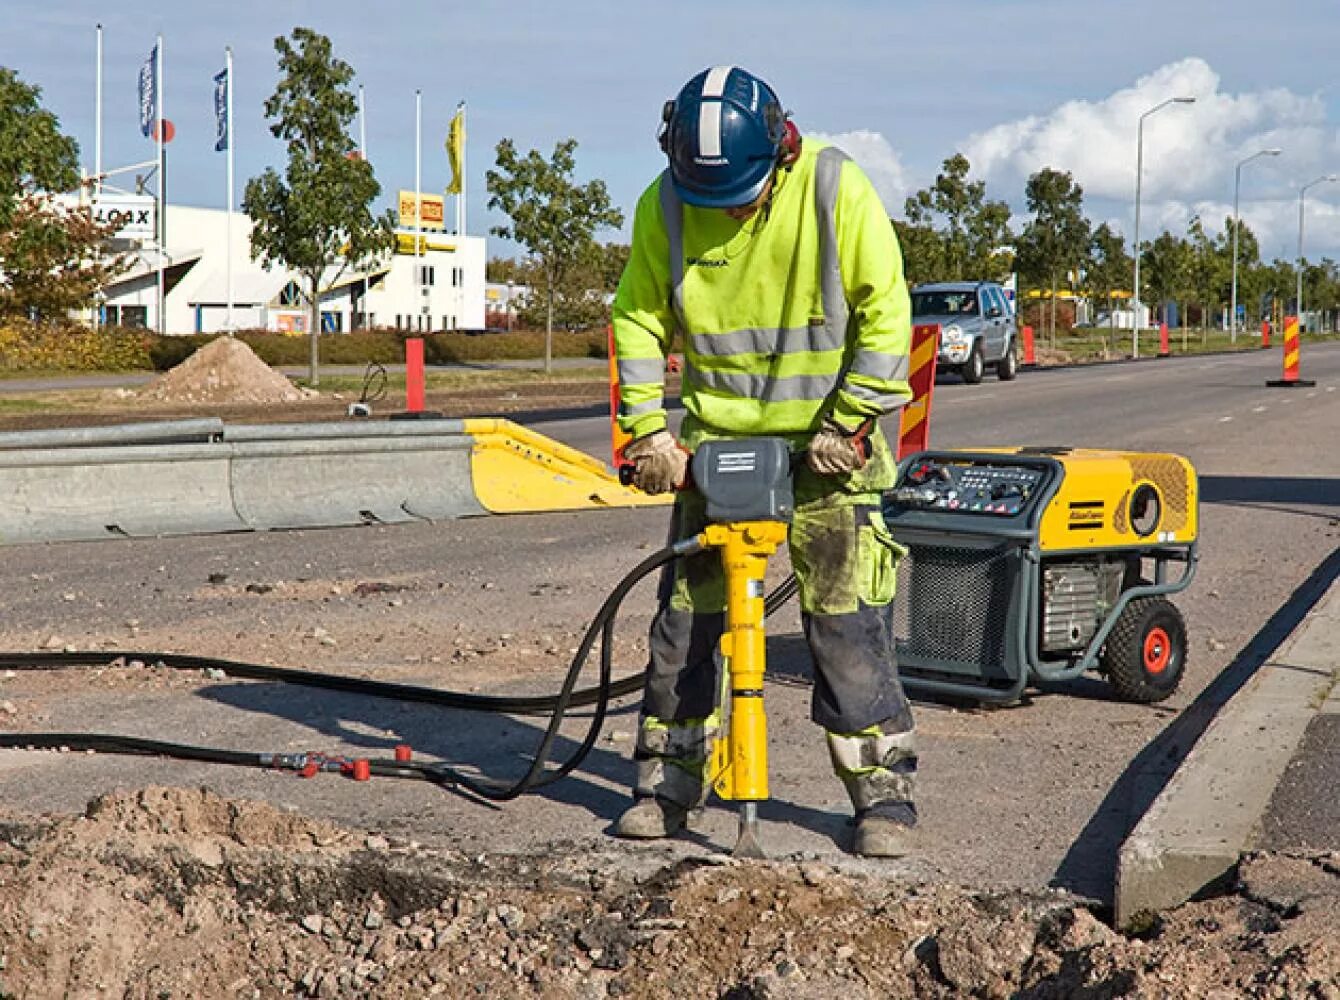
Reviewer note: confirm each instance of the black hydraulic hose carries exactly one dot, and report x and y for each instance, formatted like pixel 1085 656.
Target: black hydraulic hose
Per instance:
pixel 537 776
pixel 501 704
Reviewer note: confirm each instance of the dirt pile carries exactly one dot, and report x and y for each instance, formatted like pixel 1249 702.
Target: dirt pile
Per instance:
pixel 223 371
pixel 169 893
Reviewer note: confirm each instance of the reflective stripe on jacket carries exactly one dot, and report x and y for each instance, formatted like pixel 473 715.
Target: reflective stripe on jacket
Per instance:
pixel 794 314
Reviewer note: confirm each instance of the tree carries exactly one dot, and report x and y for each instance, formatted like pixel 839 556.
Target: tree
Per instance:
pixel 1056 240
pixel 1167 263
pixel 316 219
pixel 973 232
pixel 1107 269
pixel 1208 273
pixel 34 155
pixel 49 253
pixel 49 260
pixel 553 218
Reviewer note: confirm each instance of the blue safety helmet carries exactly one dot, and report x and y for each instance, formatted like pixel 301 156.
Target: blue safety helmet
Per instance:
pixel 723 135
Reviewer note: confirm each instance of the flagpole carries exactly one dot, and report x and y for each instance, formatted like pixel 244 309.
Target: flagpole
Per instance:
pixel 162 188
pixel 97 120
pixel 363 155
pixel 460 198
pixel 418 207
pixel 228 126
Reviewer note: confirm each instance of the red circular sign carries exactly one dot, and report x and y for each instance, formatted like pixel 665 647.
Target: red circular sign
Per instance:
pixel 169 131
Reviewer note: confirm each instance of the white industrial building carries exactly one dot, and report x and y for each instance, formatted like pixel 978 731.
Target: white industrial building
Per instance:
pixel 440 288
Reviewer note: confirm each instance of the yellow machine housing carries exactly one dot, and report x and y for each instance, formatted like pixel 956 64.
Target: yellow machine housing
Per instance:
pixel 1039 564
pixel 1118 499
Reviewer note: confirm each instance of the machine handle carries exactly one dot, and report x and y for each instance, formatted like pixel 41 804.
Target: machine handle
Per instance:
pixel 627 469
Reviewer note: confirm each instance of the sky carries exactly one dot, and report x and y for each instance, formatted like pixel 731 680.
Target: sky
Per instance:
pixel 1015 85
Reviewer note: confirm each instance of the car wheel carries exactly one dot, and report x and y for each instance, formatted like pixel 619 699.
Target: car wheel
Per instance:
pixel 975 367
pixel 1008 366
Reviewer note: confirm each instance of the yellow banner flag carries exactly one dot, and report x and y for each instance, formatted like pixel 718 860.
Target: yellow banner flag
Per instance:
pixel 456 150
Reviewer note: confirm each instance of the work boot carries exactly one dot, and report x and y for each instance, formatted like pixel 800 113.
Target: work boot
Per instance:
pixel 651 818
pixel 879 836
pixel 879 771
pixel 672 764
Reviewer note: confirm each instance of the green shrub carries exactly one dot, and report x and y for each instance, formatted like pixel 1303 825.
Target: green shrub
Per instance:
pixel 72 347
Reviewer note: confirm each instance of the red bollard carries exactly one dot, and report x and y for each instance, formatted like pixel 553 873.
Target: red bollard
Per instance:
pixel 414 375
pixel 1163 340
pixel 1030 358
pixel 1265 333
pixel 1291 358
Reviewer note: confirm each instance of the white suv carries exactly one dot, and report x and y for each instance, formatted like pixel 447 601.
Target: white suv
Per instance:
pixel 977 327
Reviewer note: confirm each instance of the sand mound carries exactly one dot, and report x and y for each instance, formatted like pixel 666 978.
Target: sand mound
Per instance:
pixel 223 371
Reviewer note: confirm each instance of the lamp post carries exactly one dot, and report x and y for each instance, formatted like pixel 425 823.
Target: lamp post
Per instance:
pixel 1237 187
pixel 1139 166
pixel 1298 297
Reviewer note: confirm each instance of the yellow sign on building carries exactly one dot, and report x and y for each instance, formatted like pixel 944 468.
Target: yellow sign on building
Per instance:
pixel 432 211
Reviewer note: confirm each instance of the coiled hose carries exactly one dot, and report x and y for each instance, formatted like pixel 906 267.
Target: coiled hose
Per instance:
pixel 538 775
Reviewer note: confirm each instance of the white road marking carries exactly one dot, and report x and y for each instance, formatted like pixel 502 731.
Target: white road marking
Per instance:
pixel 1224 420
pixel 1259 409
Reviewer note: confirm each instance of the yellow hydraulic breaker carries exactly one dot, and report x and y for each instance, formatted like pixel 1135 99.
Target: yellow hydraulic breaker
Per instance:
pixel 740 756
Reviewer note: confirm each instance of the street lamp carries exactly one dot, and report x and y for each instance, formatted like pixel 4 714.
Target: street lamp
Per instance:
pixel 1237 186
pixel 1298 298
pixel 1139 164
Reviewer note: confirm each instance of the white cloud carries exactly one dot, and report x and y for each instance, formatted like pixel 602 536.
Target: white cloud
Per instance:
pixel 879 161
pixel 1190 155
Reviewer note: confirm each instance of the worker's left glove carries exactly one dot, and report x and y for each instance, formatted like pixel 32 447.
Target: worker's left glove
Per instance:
pixel 659 463
pixel 836 451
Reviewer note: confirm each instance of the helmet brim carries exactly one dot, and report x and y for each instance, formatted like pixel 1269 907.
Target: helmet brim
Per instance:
pixel 734 198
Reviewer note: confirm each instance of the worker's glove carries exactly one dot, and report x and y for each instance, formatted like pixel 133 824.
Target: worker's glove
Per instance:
pixel 659 463
pixel 836 451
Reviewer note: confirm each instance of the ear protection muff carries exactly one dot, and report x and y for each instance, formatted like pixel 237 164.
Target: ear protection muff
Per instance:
pixel 663 132
pixel 789 150
pixel 782 132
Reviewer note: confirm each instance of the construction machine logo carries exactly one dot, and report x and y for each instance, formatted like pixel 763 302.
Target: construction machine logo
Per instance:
pixel 1086 515
pixel 705 262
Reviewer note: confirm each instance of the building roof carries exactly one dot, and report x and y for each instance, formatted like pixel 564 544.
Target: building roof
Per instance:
pixel 250 288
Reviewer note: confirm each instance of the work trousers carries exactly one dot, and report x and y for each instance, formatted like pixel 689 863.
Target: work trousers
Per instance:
pixel 845 561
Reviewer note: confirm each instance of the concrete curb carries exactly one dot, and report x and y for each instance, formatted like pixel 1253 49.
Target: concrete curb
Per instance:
pixel 1198 827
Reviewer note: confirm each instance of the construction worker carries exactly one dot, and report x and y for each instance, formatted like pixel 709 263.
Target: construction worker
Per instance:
pixel 779 268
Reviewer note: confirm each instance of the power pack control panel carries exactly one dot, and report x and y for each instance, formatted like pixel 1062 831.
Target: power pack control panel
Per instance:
pixel 975 487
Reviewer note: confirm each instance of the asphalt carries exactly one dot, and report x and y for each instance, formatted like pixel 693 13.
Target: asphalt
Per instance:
pixel 1040 794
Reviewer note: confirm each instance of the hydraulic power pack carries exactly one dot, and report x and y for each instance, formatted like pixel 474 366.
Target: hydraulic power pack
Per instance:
pixel 1037 564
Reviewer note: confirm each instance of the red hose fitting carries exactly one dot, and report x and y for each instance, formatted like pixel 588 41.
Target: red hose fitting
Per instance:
pixel 403 753
pixel 362 770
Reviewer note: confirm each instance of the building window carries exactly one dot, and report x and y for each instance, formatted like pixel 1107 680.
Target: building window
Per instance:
pixel 291 295
pixel 136 316
pixel 427 274
pixel 446 323
pixel 457 277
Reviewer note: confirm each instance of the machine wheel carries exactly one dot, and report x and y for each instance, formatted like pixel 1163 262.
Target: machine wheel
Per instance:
pixel 975 367
pixel 1145 654
pixel 1008 366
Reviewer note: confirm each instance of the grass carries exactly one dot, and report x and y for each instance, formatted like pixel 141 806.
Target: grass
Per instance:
pixel 483 378
pixel 1091 345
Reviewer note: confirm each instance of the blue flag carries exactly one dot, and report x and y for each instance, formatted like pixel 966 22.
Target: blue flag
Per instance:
pixel 149 93
pixel 221 98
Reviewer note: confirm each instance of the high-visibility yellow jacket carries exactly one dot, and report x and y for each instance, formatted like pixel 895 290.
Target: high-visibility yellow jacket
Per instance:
pixel 795 314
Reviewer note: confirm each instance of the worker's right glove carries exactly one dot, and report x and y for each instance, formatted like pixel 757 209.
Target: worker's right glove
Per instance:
pixel 659 463
pixel 836 451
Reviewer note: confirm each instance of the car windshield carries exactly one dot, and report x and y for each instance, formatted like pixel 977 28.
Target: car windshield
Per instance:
pixel 944 303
